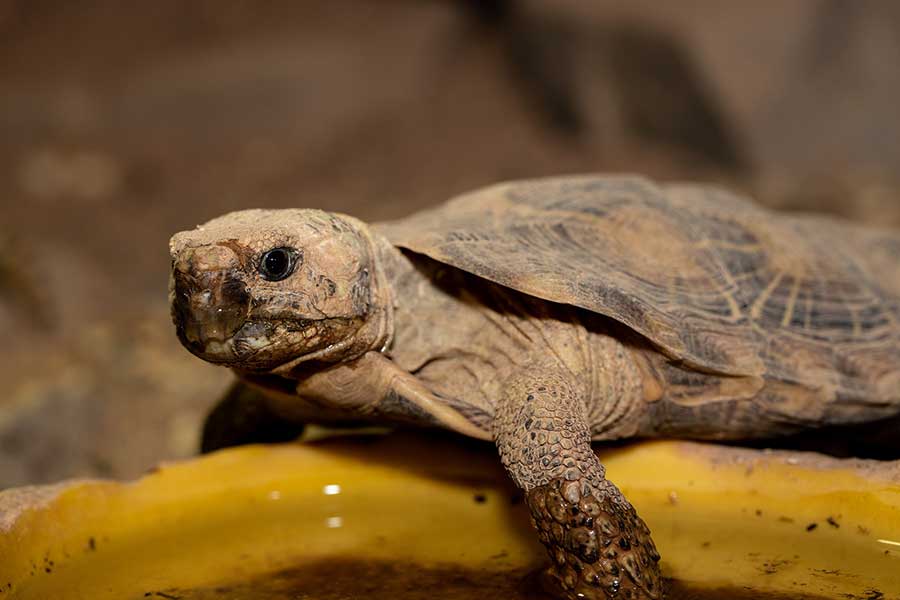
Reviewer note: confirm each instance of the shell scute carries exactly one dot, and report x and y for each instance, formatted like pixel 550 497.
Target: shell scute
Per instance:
pixel 710 278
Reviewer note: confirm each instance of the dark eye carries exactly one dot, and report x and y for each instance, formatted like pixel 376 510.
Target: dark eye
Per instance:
pixel 278 263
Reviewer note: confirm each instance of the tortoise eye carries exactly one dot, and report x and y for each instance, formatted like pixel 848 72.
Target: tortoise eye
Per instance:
pixel 279 263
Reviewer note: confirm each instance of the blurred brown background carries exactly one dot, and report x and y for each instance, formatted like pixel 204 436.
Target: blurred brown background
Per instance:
pixel 121 123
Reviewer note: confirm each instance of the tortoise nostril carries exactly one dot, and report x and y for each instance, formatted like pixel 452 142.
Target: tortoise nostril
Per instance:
pixel 214 258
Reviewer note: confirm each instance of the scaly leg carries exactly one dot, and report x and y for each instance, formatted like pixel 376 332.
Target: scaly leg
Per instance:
pixel 598 544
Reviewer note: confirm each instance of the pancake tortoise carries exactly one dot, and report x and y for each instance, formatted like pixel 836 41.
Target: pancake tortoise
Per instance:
pixel 545 314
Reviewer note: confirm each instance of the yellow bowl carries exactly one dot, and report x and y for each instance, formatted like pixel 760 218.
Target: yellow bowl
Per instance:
pixel 430 516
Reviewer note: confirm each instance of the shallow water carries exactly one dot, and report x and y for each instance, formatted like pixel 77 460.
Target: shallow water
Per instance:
pixel 391 517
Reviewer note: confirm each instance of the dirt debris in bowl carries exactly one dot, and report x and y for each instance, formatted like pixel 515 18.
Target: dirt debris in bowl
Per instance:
pixel 386 580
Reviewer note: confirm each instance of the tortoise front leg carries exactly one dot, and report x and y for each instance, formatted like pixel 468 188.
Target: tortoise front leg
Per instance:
pixel 598 544
pixel 244 416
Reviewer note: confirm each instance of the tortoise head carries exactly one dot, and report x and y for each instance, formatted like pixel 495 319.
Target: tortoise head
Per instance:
pixel 264 290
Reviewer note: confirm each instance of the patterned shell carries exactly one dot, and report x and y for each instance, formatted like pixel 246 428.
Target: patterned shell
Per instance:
pixel 715 282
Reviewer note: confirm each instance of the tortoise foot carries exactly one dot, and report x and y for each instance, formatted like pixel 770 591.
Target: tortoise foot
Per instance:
pixel 599 546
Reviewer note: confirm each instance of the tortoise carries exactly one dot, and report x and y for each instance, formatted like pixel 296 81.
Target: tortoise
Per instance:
pixel 544 314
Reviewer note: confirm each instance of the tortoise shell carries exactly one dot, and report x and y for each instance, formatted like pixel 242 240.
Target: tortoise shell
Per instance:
pixel 713 281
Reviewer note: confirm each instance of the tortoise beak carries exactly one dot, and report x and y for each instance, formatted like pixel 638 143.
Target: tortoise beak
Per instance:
pixel 209 304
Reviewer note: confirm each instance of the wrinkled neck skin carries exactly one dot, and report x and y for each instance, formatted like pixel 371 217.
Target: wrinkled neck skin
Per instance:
pixel 376 329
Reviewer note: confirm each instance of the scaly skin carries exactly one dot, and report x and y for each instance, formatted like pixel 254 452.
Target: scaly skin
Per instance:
pixel 599 546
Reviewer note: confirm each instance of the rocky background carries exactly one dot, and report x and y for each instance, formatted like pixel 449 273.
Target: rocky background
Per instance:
pixel 121 123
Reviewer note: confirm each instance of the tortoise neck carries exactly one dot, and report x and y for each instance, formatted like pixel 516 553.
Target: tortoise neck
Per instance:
pixel 376 332
pixel 402 282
